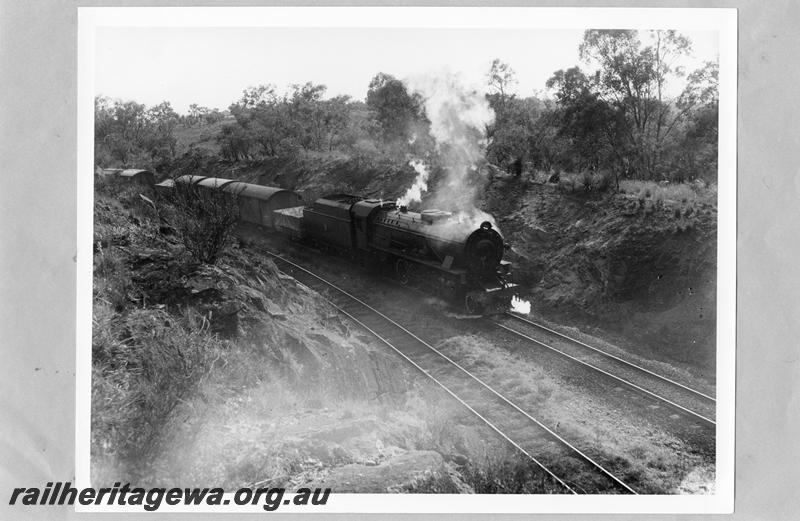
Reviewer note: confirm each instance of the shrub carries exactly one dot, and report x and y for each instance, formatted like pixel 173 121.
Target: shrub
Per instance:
pixel 204 219
pixel 584 179
pixel 602 181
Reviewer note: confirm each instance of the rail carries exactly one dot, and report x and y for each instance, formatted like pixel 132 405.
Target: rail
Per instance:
pixel 639 388
pixel 382 327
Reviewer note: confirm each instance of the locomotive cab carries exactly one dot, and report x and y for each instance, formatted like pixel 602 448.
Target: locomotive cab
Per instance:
pixel 363 212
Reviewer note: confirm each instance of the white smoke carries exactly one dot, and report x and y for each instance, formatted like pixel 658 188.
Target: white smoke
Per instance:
pixel 523 307
pixel 414 194
pixel 456 111
pixel 459 116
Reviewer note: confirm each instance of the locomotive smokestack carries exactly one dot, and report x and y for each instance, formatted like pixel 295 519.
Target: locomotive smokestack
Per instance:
pixel 403 208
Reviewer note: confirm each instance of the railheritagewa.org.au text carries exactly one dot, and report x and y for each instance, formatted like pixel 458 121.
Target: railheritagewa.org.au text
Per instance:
pixel 151 499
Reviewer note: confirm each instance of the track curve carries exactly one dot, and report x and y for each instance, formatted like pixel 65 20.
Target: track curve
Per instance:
pixel 515 425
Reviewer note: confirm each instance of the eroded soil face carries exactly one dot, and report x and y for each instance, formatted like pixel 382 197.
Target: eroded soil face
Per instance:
pixel 638 271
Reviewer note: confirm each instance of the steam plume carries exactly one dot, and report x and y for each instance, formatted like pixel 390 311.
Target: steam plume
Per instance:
pixel 459 116
pixel 414 194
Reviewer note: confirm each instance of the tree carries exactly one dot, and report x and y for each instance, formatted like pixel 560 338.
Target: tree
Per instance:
pixel 696 150
pixel 397 112
pixel 201 115
pixel 631 77
pixel 261 122
pixel 160 141
pixel 258 95
pixel 591 125
pixel 234 143
pixel 500 78
pixel 308 115
pixel 337 117
pixel 520 125
pixel 213 116
pixel 130 134
pixel 510 132
pixel 702 87
pixel 120 127
pixel 269 125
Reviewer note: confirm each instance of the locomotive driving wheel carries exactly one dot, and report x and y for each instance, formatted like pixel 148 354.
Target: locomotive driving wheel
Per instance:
pixel 472 304
pixel 403 271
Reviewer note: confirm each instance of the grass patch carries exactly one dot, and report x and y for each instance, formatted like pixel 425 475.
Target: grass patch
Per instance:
pixel 684 194
pixel 504 474
pixel 671 192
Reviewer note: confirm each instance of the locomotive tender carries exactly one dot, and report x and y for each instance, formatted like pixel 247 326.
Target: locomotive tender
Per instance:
pixel 432 247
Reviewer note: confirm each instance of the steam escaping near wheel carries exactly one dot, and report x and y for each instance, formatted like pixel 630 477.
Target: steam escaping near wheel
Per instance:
pixel 523 307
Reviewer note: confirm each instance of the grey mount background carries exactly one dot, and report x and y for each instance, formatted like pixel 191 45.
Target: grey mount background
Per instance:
pixel 38 237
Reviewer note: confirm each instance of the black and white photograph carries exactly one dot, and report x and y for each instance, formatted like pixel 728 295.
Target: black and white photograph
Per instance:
pixel 380 257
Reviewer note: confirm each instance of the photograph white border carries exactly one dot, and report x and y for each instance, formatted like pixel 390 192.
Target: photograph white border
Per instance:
pixel 724 21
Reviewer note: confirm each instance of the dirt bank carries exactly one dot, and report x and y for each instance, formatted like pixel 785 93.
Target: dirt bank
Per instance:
pixel 640 268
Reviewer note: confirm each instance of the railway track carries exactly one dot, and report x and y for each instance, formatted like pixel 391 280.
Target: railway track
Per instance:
pixel 644 386
pixel 697 406
pixel 569 468
pixel 693 404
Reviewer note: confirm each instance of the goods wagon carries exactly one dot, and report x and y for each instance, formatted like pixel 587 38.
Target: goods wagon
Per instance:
pixel 289 221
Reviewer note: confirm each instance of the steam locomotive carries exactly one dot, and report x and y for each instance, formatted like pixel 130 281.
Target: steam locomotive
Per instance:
pixel 461 259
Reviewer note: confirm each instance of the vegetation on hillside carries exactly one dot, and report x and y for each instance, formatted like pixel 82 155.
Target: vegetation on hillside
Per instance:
pixel 160 327
pixel 614 117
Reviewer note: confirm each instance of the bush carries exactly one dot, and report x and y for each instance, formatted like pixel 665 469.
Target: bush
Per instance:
pixel 204 220
pixel 584 181
pixel 603 181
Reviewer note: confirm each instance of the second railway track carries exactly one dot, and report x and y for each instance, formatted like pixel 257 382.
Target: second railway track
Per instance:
pixel 570 469
pixel 695 405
